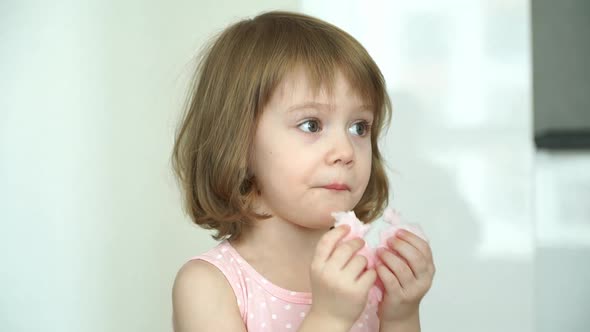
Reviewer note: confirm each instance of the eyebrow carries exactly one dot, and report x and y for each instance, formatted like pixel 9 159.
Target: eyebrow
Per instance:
pixel 324 107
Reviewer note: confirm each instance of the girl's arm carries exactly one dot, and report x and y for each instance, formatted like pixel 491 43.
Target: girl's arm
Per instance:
pixel 200 296
pixel 411 324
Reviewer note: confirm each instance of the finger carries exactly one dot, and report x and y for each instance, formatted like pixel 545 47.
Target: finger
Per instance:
pixel 367 279
pixel 344 252
pixel 413 257
pixel 398 267
pixel 328 242
pixel 389 280
pixel 416 241
pixel 356 266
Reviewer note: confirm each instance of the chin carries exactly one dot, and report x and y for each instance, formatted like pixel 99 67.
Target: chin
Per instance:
pixel 314 219
pixel 325 215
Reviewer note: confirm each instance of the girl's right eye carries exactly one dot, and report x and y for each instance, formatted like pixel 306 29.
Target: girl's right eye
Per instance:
pixel 310 126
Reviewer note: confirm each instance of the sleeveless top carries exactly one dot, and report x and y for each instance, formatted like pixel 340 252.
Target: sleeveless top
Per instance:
pixel 265 306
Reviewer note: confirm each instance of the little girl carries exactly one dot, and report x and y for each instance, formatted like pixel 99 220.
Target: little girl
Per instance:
pixel 280 131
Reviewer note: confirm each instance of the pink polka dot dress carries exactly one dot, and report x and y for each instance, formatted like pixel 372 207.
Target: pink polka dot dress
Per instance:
pixel 265 306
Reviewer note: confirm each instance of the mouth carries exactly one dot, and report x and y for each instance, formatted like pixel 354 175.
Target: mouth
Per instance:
pixel 337 187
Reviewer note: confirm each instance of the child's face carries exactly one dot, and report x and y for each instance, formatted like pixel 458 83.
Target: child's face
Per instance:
pixel 312 160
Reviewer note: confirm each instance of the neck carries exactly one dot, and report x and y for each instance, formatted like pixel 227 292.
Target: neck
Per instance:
pixel 280 239
pixel 280 250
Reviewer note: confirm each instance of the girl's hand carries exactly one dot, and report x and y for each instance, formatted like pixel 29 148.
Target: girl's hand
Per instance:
pixel 340 281
pixel 406 272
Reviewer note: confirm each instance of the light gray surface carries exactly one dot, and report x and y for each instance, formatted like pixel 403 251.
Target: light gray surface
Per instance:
pixel 562 233
pixel 562 294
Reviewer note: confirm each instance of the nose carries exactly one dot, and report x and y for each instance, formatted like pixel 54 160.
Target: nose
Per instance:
pixel 341 150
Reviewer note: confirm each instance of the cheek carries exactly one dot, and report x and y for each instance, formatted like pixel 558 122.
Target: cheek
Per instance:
pixel 365 155
pixel 364 165
pixel 279 167
pixel 293 158
pixel 292 168
pixel 369 163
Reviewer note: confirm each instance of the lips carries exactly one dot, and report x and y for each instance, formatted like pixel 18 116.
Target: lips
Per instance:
pixel 337 186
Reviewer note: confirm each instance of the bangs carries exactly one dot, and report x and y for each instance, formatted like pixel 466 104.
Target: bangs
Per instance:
pixel 320 53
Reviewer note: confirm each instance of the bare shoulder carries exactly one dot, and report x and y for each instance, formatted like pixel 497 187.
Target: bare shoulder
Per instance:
pixel 200 295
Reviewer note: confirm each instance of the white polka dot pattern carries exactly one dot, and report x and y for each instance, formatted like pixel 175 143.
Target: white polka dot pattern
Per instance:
pixel 265 306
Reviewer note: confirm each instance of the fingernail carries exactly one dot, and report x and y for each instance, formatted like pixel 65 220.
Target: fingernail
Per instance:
pixel 341 228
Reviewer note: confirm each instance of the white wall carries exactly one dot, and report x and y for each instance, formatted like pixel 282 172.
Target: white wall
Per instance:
pixel 460 147
pixel 91 228
pixel 92 232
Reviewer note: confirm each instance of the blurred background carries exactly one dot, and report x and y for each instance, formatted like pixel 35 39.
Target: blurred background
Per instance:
pixel 92 230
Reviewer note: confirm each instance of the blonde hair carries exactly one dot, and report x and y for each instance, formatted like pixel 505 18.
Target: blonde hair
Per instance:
pixel 235 78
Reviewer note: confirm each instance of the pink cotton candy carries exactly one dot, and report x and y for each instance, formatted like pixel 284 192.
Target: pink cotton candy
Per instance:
pixel 391 217
pixel 358 230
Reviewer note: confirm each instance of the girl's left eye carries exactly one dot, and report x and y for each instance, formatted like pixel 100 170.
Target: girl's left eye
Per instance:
pixel 360 128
